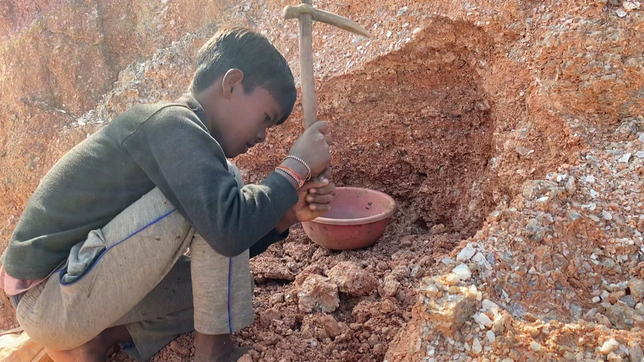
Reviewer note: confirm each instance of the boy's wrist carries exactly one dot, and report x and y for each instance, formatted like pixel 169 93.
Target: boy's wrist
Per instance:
pixel 296 166
pixel 286 222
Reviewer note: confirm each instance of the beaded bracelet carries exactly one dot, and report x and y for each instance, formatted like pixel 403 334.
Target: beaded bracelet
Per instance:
pixel 308 169
pixel 294 175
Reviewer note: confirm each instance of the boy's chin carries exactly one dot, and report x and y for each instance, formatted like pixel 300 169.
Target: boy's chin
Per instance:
pixel 237 152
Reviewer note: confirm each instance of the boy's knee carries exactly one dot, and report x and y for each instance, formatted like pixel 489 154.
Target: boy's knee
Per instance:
pixel 54 333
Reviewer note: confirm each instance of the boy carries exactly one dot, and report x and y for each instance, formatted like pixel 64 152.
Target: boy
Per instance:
pixel 97 256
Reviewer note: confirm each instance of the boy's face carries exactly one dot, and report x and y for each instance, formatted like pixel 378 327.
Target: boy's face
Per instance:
pixel 240 120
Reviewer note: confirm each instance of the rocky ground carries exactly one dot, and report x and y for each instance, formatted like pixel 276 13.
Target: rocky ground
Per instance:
pixel 510 134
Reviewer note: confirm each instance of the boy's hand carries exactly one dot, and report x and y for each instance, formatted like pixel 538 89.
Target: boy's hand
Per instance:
pixel 313 147
pixel 314 198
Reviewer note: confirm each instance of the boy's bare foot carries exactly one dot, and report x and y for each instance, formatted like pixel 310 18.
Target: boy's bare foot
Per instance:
pixel 94 350
pixel 216 348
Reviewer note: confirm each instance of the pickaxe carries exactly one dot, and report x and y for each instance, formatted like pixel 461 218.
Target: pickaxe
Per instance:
pixel 307 13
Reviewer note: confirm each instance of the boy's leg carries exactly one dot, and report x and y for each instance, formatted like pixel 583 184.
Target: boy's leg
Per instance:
pixel 222 290
pixel 136 250
pixel 223 295
pixel 159 316
pixel 164 314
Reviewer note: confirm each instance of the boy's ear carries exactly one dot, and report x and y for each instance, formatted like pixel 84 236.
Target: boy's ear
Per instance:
pixel 232 82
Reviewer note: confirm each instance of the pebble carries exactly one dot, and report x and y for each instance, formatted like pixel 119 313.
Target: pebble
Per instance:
pixel 641 137
pixel 181 350
pixel 277 298
pixel 631 5
pixel 607 215
pixel 621 13
pixel 535 346
pixel 467 253
pixel 609 346
pixel 590 179
pixel 626 157
pixel 596 299
pixel 476 346
pixel 490 336
pixel 640 154
pixel 635 351
pixel 479 258
pixel 636 287
pixel 629 301
pixel 463 272
pixel 534 230
pixel 483 319
pixel 489 305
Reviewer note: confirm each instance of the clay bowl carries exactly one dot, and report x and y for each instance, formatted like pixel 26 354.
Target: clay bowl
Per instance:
pixel 357 219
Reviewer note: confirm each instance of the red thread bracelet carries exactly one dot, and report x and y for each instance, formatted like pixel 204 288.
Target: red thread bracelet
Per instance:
pixel 287 170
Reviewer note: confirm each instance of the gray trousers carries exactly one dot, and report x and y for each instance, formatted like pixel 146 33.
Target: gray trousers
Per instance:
pixel 133 273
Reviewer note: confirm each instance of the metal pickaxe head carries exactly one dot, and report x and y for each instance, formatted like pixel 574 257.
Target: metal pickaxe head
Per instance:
pixel 307 14
pixel 294 12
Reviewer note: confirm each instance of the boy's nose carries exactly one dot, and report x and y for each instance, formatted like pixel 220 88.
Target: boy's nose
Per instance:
pixel 261 137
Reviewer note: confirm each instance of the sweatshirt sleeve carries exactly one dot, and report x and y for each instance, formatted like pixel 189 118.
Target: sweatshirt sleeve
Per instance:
pixel 268 240
pixel 189 167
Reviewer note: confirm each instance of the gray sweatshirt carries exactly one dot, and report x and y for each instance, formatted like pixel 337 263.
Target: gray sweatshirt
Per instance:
pixel 166 145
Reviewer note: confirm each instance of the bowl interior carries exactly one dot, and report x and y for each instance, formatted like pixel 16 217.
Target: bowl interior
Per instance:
pixel 355 206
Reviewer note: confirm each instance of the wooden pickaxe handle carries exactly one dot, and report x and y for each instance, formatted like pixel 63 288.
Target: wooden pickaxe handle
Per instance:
pixel 307 13
pixel 309 105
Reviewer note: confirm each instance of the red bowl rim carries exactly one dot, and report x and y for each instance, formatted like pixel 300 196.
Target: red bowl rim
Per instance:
pixel 363 220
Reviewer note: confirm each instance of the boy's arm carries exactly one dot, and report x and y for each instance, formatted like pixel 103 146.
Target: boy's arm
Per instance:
pixel 280 233
pixel 190 169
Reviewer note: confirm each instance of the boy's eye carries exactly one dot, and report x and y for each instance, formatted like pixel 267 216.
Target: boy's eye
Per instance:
pixel 267 119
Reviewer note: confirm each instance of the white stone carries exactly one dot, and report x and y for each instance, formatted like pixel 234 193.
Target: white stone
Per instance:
pixel 431 290
pixel 631 5
pixel 590 179
pixel 606 215
pixel 467 253
pixel 604 295
pixel 593 194
pixel 490 336
pixel 625 158
pixel 621 13
pixel 640 154
pixel 476 346
pixel 483 319
pixel 488 305
pixel 463 272
pixel 641 137
pixel 479 258
pixel 596 299
pixel 609 346
pixel 535 346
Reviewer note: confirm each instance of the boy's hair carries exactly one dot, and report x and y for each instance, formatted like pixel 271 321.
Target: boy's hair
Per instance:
pixel 253 54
